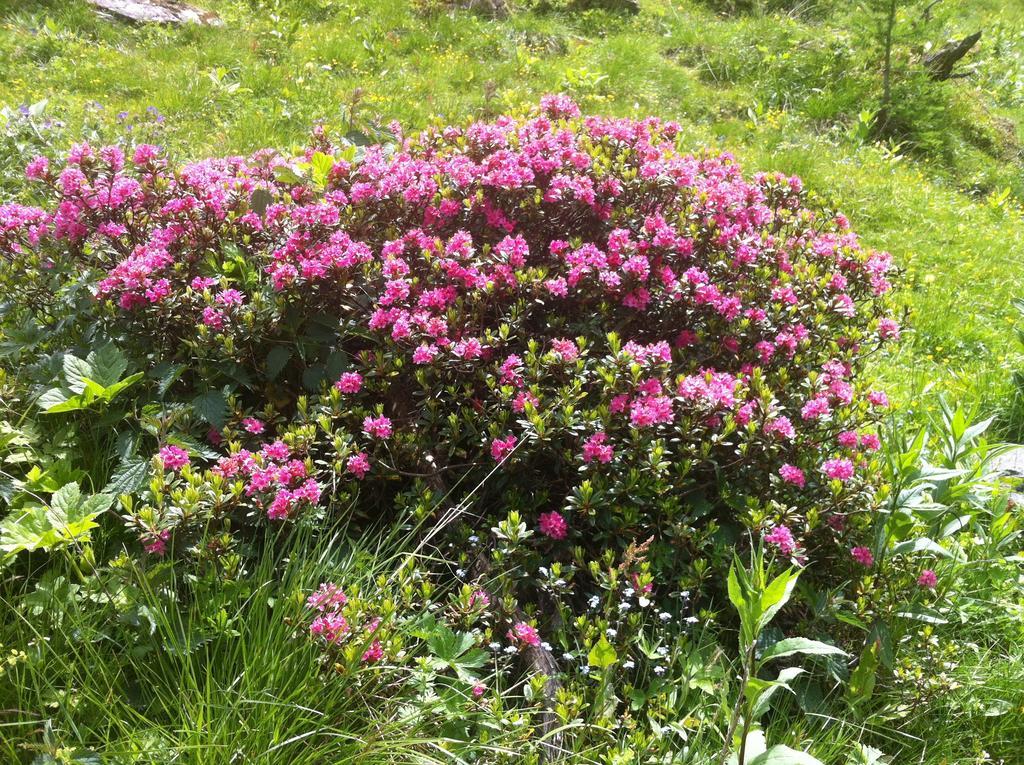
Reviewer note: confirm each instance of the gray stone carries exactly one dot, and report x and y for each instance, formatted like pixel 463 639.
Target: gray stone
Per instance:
pixel 1010 462
pixel 156 12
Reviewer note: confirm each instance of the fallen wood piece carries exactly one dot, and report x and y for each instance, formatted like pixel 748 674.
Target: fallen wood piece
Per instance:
pixel 156 12
pixel 940 64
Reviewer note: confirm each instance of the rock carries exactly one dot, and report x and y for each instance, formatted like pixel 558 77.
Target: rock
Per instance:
pixel 1010 463
pixel 156 12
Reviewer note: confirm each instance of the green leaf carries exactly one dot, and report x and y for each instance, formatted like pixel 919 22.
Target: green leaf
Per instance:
pixel 107 365
pixel 862 679
pixel 166 375
pixel 781 754
pixel 129 477
pixel 212 406
pixel 736 595
pixel 260 200
pixel 31 530
pixel 277 359
pixel 776 595
pixel 111 391
pixel 921 544
pixel 790 646
pixel 76 371
pixel 602 655
pixel 53 397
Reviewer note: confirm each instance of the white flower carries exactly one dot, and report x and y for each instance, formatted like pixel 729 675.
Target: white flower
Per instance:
pixel 460 573
pixel 628 664
pixel 659 671
pixel 628 592
pixel 624 606
pixel 692 620
pixel 594 601
pixel 644 602
pixel 665 616
pixel 610 632
pixel 546 646
pixel 567 656
pixel 662 651
pixel 495 646
pixel 474 538
pixel 510 649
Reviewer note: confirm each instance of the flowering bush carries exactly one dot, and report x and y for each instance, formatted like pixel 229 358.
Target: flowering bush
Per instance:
pixel 555 327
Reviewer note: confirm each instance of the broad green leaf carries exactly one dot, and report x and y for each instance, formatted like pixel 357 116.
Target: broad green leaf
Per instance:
pixel 72 404
pixel 129 477
pixel 783 755
pixel 107 365
pixel 277 359
pixel 776 595
pixel 212 407
pixel 53 397
pixel 602 655
pixel 66 499
pixel 113 390
pixel 790 646
pixel 27 530
pixel 921 544
pixel 769 687
pixel 76 371
pixel 260 200
pixel 922 614
pixel 736 594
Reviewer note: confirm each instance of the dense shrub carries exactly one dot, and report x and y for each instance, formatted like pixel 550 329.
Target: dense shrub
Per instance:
pixel 556 315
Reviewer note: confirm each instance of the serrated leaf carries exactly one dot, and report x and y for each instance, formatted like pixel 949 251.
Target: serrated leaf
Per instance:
pixel 790 646
pixel 212 406
pixel 260 200
pixel 166 375
pixel 277 359
pixel 129 477
pixel 107 364
pixel 76 371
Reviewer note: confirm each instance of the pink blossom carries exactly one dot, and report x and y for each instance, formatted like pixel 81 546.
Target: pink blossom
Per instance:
pixel 374 653
pixel 782 538
pixel 780 427
pixel 358 465
pixel 502 447
pixel 847 439
pixel 863 556
pixel 928 579
pixel 349 382
pixel 253 425
pixel 840 469
pixel 888 329
pixel 524 635
pixel 332 627
pixel 870 442
pixel 878 399
pixel 596 450
pixel 328 598
pixel 553 525
pixel 156 543
pixel 378 427
pixel 815 409
pixel 794 475
pixel 173 457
